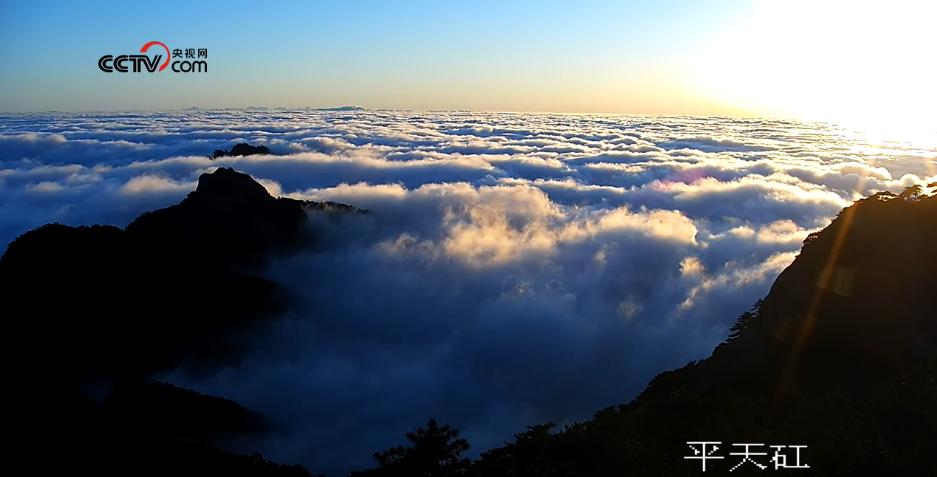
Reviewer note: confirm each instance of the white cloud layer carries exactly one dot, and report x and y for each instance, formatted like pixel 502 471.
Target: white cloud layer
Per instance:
pixel 516 268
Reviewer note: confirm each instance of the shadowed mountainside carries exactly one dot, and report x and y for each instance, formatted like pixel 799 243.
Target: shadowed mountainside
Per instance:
pixel 840 356
pixel 95 310
pixel 101 302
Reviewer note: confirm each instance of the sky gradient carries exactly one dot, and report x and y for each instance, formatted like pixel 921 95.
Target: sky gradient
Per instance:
pixel 827 60
pixel 524 56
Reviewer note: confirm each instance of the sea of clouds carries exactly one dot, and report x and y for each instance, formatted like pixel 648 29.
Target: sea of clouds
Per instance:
pixel 513 269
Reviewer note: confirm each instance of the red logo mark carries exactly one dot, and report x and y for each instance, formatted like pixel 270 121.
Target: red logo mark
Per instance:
pixel 168 54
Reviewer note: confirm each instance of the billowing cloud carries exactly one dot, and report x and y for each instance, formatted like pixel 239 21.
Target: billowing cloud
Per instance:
pixel 514 268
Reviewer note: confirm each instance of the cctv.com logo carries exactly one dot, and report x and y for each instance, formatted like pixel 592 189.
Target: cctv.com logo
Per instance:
pixel 190 60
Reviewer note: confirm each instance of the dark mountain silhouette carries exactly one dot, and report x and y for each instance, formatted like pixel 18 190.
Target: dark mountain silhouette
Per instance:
pixel 148 428
pixel 100 308
pixel 163 409
pixel 240 149
pixel 228 220
pixel 840 356
pixel 92 302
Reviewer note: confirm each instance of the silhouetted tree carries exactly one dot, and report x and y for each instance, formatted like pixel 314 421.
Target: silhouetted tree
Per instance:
pixel 434 451
pixel 531 454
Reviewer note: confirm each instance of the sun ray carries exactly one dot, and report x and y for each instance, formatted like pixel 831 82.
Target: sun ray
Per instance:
pixel 824 284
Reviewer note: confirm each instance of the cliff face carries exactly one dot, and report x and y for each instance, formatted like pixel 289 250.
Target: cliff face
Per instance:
pixel 840 356
pixel 101 307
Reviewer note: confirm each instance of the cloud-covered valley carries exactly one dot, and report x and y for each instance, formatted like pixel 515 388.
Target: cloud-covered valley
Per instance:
pixel 513 269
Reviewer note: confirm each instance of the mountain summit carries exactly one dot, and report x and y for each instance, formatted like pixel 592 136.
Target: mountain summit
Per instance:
pixel 229 219
pixel 97 310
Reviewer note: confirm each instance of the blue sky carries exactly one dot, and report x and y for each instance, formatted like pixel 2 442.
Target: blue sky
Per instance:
pixel 862 61
pixel 489 55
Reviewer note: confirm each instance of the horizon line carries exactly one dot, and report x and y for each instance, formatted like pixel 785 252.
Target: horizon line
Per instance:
pixel 353 108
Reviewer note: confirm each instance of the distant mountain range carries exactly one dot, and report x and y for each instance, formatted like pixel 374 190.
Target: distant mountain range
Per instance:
pixel 343 108
pixel 840 356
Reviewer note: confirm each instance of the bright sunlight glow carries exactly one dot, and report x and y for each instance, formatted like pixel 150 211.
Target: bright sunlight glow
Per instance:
pixel 863 64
